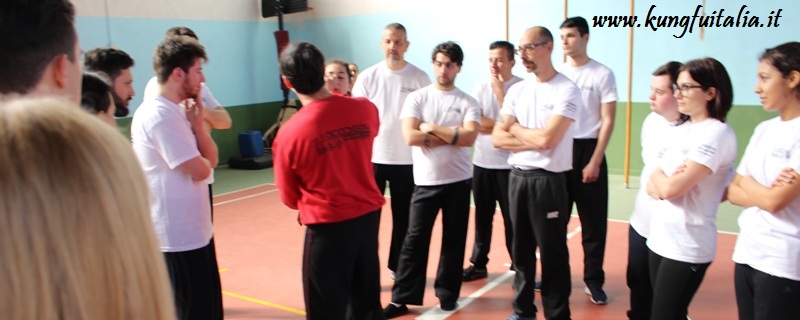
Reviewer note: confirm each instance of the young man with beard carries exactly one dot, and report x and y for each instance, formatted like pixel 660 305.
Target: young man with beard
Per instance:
pixel 491 169
pixel 177 155
pixel 387 84
pixel 116 64
pixel 440 123
pixel 535 125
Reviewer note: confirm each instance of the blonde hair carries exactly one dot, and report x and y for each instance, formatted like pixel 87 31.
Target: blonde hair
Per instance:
pixel 76 241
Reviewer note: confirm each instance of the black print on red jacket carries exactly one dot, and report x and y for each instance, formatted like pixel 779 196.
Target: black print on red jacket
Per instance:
pixel 336 138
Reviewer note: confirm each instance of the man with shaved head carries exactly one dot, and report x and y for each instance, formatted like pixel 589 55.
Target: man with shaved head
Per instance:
pixel 535 125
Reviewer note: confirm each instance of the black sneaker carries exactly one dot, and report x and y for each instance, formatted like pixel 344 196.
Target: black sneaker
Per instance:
pixel 597 295
pixel 449 306
pixel 394 311
pixel 519 317
pixel 474 273
pixel 537 286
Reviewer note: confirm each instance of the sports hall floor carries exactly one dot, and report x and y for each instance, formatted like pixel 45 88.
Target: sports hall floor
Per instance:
pixel 259 247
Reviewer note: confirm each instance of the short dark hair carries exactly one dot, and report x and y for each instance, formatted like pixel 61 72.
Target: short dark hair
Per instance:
pixel 710 73
pixel 670 69
pixel 95 92
pixel 176 52
pixel 504 45
pixel 181 31
pixel 577 22
pixel 33 34
pixel 109 60
pixel 303 64
pixel 785 58
pixel 397 26
pixel 451 49
pixel 343 64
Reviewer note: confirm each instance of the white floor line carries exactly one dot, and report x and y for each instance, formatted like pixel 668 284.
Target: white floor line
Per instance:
pixel 245 197
pixel 436 313
pixel 245 189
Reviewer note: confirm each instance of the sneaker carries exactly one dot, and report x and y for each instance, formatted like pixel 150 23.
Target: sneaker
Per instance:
pixel 449 306
pixel 537 286
pixel 519 317
pixel 394 311
pixel 597 295
pixel 474 273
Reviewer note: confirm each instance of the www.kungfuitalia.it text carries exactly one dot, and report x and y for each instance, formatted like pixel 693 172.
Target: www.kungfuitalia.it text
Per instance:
pixel 717 19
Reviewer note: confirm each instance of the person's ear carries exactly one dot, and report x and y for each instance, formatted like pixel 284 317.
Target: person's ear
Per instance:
pixel 286 82
pixel 177 74
pixel 60 64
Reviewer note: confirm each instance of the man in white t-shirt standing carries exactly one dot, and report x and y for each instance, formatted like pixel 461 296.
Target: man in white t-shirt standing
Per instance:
pixel 535 125
pixel 216 117
pixel 177 155
pixel 441 123
pixel 587 182
pixel 386 84
pixel 491 169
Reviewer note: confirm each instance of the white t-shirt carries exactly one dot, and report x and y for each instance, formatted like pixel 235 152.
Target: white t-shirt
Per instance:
pixel 533 103
pixel 685 228
pixel 443 164
pixel 388 89
pixel 209 102
pixel 770 242
pixel 180 210
pixel 658 135
pixel 485 154
pixel 598 86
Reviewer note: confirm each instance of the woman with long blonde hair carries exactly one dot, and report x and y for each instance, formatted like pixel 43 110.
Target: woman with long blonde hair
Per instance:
pixel 76 241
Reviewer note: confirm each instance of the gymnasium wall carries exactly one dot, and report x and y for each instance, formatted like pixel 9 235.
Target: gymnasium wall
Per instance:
pixel 242 71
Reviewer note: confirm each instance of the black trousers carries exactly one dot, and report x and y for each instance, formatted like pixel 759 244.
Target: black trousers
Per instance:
pixel 761 296
pixel 341 271
pixel 453 200
pixel 591 200
pixel 674 285
pixel 539 216
pixel 401 185
pixel 195 283
pixel 489 186
pixel 638 277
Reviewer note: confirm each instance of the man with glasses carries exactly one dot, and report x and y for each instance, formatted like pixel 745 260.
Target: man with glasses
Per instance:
pixel 386 84
pixel 491 169
pixel 535 125
pixel 587 182
pixel 440 123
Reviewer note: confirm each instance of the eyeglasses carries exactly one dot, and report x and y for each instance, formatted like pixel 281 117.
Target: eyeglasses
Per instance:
pixel 530 46
pixel 684 88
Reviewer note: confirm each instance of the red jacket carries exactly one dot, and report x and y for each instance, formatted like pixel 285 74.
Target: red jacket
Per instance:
pixel 322 160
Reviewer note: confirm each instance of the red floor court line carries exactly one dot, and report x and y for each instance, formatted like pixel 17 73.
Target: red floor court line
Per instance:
pixel 260 243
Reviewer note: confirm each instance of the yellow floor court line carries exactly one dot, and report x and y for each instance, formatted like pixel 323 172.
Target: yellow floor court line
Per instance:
pixel 264 303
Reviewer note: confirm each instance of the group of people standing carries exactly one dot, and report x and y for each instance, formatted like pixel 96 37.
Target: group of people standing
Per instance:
pixel 79 239
pixel 523 136
pixel 539 147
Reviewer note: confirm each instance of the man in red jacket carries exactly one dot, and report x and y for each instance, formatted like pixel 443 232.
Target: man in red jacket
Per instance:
pixel 323 169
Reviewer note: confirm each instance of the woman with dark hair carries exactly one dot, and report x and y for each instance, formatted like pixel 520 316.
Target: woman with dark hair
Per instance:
pixel 658 130
pixel 767 252
pixel 96 96
pixel 337 77
pixel 688 183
